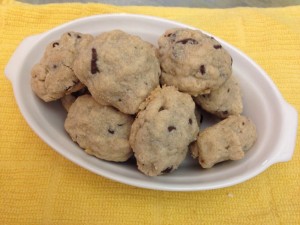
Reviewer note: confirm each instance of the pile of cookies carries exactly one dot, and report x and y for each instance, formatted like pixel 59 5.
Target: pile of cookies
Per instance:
pixel 124 97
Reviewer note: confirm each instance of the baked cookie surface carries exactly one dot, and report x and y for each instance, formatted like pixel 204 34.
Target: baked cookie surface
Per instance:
pixel 53 77
pixel 244 128
pixel 119 69
pixel 226 140
pixel 100 130
pixel 192 61
pixel 162 131
pixel 224 101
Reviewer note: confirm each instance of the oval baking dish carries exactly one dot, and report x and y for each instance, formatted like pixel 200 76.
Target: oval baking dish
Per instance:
pixel 275 119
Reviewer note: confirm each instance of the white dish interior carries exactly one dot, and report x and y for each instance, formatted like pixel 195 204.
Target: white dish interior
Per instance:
pixel 276 120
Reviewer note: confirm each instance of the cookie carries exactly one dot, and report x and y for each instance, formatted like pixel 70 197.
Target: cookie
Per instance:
pixel 244 128
pixel 163 130
pixel 119 69
pixel 192 61
pixel 69 99
pixel 224 101
pixel 226 140
pixel 101 131
pixel 53 77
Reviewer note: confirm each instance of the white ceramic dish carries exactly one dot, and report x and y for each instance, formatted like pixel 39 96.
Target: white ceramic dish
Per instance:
pixel 275 119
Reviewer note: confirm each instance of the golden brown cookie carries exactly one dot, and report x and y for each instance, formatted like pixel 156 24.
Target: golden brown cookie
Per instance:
pixel 163 130
pixel 100 130
pixel 119 69
pixel 53 77
pixel 226 140
pixel 224 101
pixel 192 61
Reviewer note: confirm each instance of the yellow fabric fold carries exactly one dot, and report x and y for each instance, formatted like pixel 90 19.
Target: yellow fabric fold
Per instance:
pixel 38 186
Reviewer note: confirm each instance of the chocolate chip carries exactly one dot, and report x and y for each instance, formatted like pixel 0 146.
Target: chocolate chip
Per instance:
pixel 217 46
pixel 78 36
pixel 54 66
pixel 168 35
pixel 69 34
pixel 55 44
pixel 202 69
pixel 243 123
pixel 228 90
pixel 167 170
pixel 161 108
pixel 170 128
pixel 119 100
pixel 188 41
pixel 111 131
pixel 190 121
pixel 94 67
pixel 227 147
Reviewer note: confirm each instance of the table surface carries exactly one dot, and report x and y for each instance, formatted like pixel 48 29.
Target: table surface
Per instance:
pixel 186 3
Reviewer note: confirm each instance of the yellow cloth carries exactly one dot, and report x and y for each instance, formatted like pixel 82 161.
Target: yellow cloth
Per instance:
pixel 38 186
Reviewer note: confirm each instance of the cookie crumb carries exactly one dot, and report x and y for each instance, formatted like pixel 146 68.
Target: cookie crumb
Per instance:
pixel 230 195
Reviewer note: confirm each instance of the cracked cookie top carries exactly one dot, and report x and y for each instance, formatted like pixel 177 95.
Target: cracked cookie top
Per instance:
pixel 53 77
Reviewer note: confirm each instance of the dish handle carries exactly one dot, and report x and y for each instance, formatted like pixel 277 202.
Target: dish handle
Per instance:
pixel 18 57
pixel 290 125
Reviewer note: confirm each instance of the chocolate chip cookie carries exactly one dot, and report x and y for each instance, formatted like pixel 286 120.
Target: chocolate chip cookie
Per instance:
pixel 224 101
pixel 53 77
pixel 102 131
pixel 163 130
pixel 227 140
pixel 119 69
pixel 192 61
